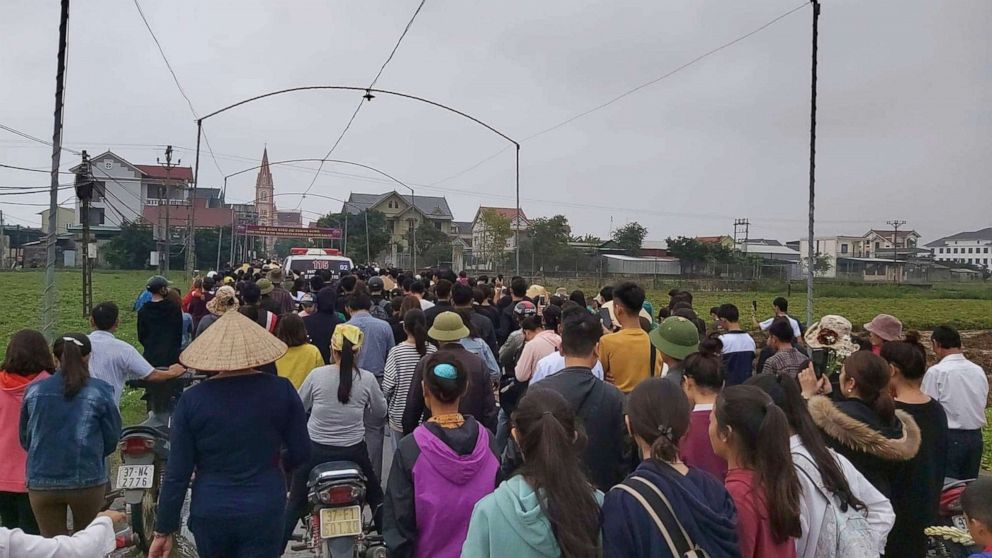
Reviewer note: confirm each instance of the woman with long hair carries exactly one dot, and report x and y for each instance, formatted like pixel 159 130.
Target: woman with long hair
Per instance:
pixel 827 478
pixel 401 363
pixel 28 360
pixel 69 425
pixel 541 511
pixel 439 472
pixel 752 434
pixel 916 491
pixel 865 426
pixel 702 380
pixel 301 357
pixel 657 419
pixel 339 398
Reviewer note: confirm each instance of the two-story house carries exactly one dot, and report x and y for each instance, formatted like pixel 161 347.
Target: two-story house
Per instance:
pixel 480 232
pixel 403 214
pixel 875 255
pixel 974 247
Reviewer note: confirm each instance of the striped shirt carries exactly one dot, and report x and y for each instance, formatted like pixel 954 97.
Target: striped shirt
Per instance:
pixel 400 365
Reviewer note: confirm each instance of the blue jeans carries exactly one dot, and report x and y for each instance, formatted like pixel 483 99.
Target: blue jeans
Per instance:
pixel 964 454
pixel 244 536
pixel 502 431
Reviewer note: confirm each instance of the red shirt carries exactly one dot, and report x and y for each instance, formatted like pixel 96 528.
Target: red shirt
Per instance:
pixel 695 447
pixel 753 527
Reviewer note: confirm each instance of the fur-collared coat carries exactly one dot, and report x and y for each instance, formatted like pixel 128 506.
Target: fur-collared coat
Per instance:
pixel 875 447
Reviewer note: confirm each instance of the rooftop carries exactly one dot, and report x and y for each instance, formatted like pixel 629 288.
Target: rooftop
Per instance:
pixel 432 206
pixel 508 212
pixel 982 234
pixel 159 171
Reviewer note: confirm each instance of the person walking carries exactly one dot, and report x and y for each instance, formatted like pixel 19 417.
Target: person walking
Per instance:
pixel 442 470
pixel 225 300
pixel 916 491
pixel 478 402
pixel 538 343
pixel 597 405
pixel 28 360
pixel 475 344
pixel 400 367
pixel 320 325
pixel 301 357
pixel 866 427
pixel 548 508
pixel 697 503
pixel 69 423
pixel 751 433
pixel 160 323
pixel 442 290
pixel 962 388
pixel 378 341
pixel 251 295
pixel 676 338
pixel 240 458
pixel 628 356
pixel 843 515
pixel 738 346
pixel 338 398
pixel 702 381
pixel 283 299
pixel 462 301
pixel 787 359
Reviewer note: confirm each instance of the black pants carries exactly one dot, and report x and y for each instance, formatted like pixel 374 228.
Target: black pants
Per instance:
pixel 15 512
pixel 358 454
pixel 964 454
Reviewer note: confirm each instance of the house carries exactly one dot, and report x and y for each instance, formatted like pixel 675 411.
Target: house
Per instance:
pixel 121 190
pixel 463 230
pixel 64 216
pixel 877 247
pixel 974 247
pixel 768 250
pixel 725 240
pixel 876 241
pixel 654 249
pixel 517 220
pixel 403 213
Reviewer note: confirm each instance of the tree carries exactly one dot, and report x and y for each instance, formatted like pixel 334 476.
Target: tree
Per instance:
pixel 630 237
pixel 379 232
pixel 131 248
pixel 688 250
pixel 496 230
pixel 821 263
pixel 432 245
pixel 206 247
pixel 587 239
pixel 546 244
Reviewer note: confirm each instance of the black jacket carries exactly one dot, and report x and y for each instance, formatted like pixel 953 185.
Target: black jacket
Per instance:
pixel 877 449
pixel 320 325
pixel 399 509
pixel 599 408
pixel 478 401
pixel 508 321
pixel 490 312
pixel 160 332
pixel 434 311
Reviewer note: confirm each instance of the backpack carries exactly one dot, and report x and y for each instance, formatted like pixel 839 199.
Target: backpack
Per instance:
pixel 844 534
pixel 378 309
pixel 660 510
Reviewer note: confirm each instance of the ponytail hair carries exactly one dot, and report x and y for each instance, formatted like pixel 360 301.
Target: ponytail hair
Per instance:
pixel 871 375
pixel 760 439
pixel 551 442
pixel 71 350
pixel 786 393
pixel 659 412
pixel 415 324
pixel 347 368
pixel 705 367
pixel 908 356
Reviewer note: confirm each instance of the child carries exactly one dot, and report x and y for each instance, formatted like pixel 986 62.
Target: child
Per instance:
pixel 976 500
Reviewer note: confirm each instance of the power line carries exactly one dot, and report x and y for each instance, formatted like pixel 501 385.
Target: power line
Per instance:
pixel 629 92
pixel 39 140
pixel 368 97
pixel 15 167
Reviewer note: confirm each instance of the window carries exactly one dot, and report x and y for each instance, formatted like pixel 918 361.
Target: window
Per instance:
pixel 877 246
pixel 99 191
pixel 986 249
pixel 969 250
pixel 955 250
pixel 843 248
pixel 96 216
pixel 411 223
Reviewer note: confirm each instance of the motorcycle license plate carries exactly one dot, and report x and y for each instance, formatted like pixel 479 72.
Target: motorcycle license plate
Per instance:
pixel 340 522
pixel 135 476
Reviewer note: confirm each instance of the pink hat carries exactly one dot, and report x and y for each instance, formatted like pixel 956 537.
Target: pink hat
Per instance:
pixel 889 328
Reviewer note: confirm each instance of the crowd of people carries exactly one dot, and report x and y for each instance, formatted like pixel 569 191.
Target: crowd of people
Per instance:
pixel 522 422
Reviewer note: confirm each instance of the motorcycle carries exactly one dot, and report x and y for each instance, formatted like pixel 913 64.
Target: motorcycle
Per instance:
pixel 950 538
pixel 144 452
pixel 335 525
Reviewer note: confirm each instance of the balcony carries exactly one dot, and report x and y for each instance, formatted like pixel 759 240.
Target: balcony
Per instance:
pixel 156 202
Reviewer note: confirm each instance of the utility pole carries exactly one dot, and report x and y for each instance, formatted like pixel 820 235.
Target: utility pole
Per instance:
pixel 168 204
pixel 895 224
pixel 84 191
pixel 741 231
pixel 810 255
pixel 49 311
pixel 3 244
pixel 220 238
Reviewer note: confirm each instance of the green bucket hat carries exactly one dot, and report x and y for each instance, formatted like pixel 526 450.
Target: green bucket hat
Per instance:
pixel 676 337
pixel 448 326
pixel 264 286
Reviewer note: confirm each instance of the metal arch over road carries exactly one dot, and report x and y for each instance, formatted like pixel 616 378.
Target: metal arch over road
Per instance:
pixel 368 94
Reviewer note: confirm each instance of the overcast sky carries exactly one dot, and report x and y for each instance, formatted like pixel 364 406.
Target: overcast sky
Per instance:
pixel 905 90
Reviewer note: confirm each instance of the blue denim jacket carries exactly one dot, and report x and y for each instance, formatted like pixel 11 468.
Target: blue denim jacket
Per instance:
pixel 68 439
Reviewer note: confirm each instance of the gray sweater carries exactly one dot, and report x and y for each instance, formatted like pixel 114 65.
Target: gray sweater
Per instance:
pixel 333 423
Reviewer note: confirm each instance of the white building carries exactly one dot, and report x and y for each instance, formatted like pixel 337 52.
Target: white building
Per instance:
pixel 875 246
pixel 479 231
pixel 121 190
pixel 973 247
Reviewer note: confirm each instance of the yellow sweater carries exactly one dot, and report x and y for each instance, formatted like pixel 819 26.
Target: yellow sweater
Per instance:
pixel 297 363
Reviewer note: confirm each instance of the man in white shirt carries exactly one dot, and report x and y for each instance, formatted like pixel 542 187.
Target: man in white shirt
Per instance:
pixel 962 388
pixel 555 362
pixel 115 361
pixel 417 289
pixel 781 306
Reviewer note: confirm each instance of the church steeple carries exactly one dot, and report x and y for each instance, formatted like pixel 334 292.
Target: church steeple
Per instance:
pixel 264 189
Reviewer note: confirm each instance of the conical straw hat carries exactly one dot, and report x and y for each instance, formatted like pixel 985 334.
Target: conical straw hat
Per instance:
pixel 233 342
